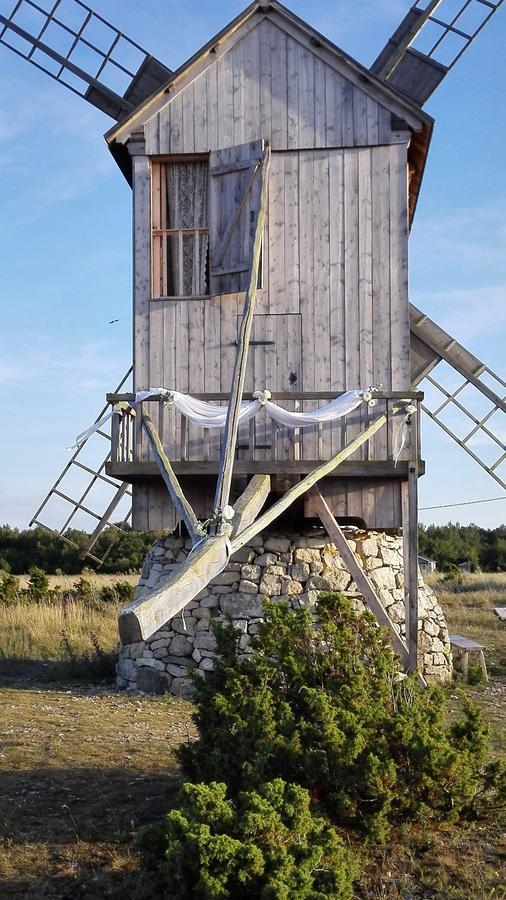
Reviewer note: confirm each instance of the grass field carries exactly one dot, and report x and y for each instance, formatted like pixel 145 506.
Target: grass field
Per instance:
pixel 83 766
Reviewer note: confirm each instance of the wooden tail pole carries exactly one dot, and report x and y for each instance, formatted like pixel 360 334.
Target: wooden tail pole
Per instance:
pixel 232 423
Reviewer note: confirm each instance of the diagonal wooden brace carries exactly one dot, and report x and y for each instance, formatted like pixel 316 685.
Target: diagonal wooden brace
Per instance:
pixel 175 490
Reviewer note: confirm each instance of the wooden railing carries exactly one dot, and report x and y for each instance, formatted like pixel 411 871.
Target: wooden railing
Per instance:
pixel 262 439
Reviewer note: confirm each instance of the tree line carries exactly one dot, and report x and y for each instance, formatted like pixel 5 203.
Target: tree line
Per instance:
pixel 448 545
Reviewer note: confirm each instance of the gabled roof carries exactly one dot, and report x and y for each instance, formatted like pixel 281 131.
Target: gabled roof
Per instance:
pixel 418 121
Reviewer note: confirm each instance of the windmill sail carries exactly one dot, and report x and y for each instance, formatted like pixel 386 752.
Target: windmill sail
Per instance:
pixel 79 48
pixel 64 492
pixel 429 41
pixel 470 412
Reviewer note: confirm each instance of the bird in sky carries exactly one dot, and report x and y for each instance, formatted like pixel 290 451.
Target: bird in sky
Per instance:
pixel 113 321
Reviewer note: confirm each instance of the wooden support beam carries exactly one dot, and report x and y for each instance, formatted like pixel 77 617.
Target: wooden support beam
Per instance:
pixel 250 502
pixel 409 494
pixel 299 489
pixel 175 490
pixel 120 493
pixel 356 571
pixel 140 619
pixel 232 422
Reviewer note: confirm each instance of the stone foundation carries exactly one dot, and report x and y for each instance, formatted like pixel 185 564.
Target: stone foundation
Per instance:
pixel 288 567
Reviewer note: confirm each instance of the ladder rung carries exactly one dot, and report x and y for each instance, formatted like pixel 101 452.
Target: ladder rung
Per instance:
pixel 452 28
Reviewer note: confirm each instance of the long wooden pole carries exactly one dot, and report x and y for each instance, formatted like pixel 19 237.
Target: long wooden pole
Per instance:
pixel 232 422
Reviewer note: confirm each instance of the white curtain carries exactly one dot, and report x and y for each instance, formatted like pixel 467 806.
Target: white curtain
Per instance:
pixel 187 207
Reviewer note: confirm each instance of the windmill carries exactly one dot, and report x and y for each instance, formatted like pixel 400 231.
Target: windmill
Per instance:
pixel 271 221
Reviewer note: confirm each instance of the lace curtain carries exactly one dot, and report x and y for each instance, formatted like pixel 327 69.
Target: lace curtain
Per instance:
pixel 187 208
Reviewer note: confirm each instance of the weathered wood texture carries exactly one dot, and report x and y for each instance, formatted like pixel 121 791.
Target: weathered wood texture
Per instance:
pixel 332 310
pixel 269 83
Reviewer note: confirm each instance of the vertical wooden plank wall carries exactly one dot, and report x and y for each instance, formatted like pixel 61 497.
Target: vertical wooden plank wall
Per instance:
pixel 334 298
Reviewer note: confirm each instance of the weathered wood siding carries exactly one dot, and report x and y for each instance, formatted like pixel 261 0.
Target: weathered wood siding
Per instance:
pixel 334 304
pixel 270 85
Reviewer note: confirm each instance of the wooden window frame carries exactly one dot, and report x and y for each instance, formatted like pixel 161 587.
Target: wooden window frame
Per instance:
pixel 159 230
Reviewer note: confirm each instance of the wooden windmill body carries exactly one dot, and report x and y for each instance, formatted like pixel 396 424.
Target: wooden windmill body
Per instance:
pixel 274 184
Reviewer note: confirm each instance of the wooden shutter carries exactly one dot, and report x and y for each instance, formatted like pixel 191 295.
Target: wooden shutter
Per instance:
pixel 234 197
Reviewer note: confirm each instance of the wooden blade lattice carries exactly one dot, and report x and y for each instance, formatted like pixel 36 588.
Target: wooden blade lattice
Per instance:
pixel 455 408
pixel 79 48
pixel 429 41
pixel 95 474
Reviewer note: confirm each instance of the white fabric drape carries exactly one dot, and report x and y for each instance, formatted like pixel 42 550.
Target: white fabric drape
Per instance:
pixel 187 207
pixel 209 415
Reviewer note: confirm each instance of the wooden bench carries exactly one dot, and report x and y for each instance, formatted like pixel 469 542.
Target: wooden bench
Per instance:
pixel 466 647
pixel 500 612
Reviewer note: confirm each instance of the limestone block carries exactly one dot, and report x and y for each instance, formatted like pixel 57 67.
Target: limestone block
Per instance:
pixel 369 547
pixel 306 555
pixel 161 633
pixel 177 671
pixel 180 646
pixel 197 655
pixel 226 578
pixel 275 570
pixel 424 641
pixel 224 589
pixel 330 580
pixel 251 572
pixel 383 578
pixel 184 626
pixel 169 555
pixel 203 613
pixel 209 602
pixel 153 682
pixel 173 543
pixel 290 587
pixel 125 668
pixel 241 606
pixel 153 577
pixel 308 598
pixel 133 651
pixel 206 664
pixel 179 661
pixel 240 625
pixel 202 625
pixel 300 572
pixel 244 642
pixel 266 559
pixel 316 568
pixel 205 641
pixel 270 585
pixel 397 613
pixel 161 653
pixel 399 579
pixel 277 545
pixel 148 654
pixel 391 557
pixel 158 551
pixel 152 663
pixel 183 688
pixel 372 562
pixel 431 627
pixel 248 587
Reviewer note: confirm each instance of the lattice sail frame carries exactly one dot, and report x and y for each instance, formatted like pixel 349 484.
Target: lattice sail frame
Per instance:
pixel 80 49
pixel 77 504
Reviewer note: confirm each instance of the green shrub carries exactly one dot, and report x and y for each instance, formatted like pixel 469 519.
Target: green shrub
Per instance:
pixel 118 592
pixel 324 708
pixel 39 583
pixel 267 844
pixel 83 590
pixel 9 589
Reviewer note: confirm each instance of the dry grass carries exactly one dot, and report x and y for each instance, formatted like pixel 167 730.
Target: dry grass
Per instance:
pixel 81 770
pixel 33 631
pixel 469 611
pixel 67 582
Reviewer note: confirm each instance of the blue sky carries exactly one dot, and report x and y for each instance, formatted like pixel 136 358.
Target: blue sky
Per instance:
pixel 65 233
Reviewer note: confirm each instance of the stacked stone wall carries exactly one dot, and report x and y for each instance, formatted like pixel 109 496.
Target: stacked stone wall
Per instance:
pixel 282 567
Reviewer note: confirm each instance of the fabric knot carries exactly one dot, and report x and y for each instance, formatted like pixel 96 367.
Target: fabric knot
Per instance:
pixel 263 397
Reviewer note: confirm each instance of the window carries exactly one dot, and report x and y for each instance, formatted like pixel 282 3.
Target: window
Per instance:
pixel 180 228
